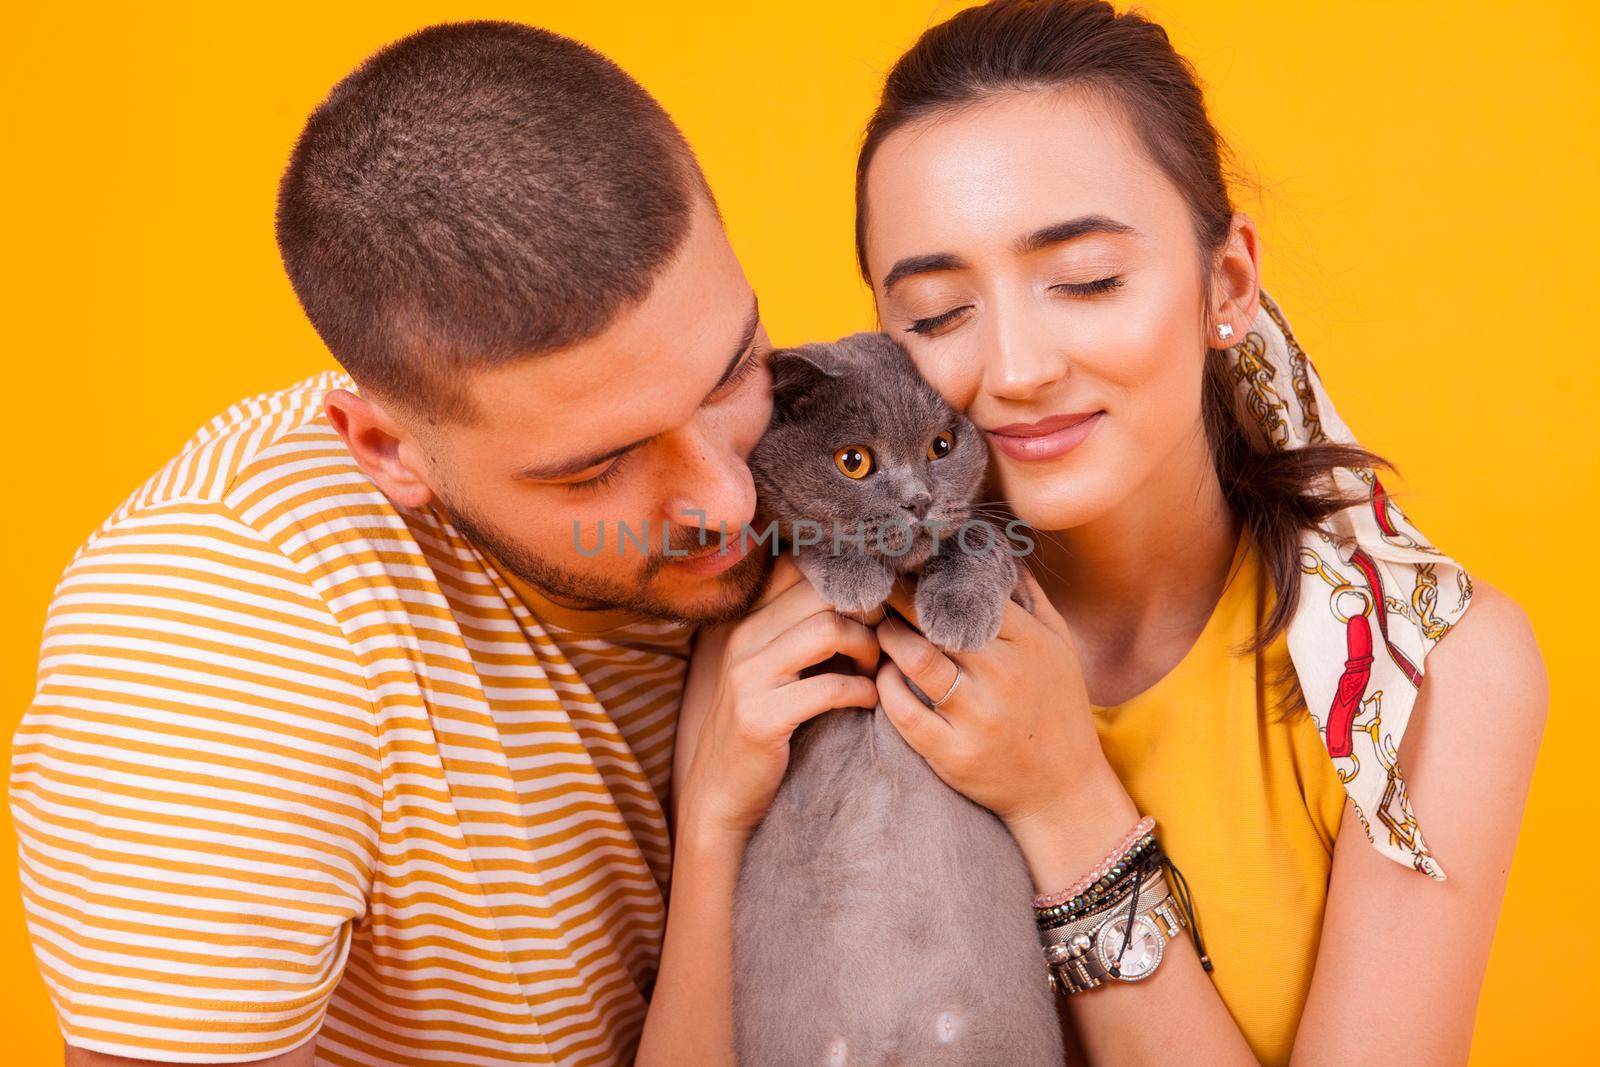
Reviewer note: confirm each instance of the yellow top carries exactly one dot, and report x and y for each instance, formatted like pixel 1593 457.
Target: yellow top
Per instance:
pixel 1246 803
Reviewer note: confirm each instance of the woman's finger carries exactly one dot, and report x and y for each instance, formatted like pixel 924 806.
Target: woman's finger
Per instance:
pixel 919 659
pixel 811 696
pixel 869 618
pixel 1016 620
pixel 924 729
pixel 815 638
pixel 781 612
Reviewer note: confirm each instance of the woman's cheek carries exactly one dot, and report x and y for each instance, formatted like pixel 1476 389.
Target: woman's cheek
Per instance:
pixel 955 370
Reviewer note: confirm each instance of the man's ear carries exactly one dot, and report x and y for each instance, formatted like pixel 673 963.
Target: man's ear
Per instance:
pixel 797 375
pixel 385 450
pixel 1235 295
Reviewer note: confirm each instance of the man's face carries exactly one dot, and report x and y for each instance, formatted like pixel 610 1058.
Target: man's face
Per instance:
pixel 640 433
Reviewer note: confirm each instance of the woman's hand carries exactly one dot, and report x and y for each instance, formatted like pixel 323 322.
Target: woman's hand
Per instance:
pixel 751 671
pixel 1017 735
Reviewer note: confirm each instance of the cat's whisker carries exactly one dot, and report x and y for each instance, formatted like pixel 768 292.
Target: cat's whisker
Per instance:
pixel 1035 564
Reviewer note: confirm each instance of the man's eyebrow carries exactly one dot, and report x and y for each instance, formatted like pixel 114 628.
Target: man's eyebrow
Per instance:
pixel 927 264
pixel 1070 230
pixel 567 468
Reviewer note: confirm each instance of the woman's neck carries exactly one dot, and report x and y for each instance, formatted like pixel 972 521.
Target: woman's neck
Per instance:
pixel 1137 585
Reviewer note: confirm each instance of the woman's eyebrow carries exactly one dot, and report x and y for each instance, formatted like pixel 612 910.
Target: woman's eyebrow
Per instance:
pixel 1070 230
pixel 927 264
pixel 1044 237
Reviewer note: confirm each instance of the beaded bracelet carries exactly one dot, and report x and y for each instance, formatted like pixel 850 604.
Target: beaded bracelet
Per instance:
pixel 1140 849
pixel 1146 856
pixel 1113 885
pixel 1141 829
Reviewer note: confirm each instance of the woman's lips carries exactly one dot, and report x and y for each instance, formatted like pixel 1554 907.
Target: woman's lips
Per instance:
pixel 1045 439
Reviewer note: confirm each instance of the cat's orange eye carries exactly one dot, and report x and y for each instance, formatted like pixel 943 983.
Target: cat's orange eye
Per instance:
pixel 941 445
pixel 853 461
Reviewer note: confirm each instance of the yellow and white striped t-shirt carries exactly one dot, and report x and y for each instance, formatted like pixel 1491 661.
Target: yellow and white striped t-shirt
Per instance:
pixel 302 764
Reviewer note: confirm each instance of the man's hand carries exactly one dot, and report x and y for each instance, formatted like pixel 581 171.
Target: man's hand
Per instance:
pixel 748 674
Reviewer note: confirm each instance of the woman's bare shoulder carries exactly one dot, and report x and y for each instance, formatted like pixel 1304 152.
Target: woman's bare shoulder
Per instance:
pixel 1493 651
pixel 1477 726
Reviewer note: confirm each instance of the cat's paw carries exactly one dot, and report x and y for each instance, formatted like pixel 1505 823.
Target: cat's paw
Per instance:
pixel 851 584
pixel 959 616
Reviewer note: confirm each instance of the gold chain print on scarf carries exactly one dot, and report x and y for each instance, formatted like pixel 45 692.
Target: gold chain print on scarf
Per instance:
pixel 1370 606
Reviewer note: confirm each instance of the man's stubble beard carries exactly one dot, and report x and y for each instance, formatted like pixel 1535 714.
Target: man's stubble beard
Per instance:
pixel 742 583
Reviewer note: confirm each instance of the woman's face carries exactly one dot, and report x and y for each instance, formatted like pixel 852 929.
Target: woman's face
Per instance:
pixel 1045 276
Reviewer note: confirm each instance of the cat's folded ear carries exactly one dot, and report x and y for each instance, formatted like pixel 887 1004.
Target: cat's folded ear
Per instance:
pixel 874 347
pixel 798 376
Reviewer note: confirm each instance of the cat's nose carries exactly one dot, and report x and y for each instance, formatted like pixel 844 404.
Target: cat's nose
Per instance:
pixel 918 505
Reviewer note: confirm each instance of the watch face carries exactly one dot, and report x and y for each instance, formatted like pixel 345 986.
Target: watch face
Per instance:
pixel 1142 955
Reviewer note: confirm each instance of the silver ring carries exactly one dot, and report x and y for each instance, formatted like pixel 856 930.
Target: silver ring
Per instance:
pixel 952 689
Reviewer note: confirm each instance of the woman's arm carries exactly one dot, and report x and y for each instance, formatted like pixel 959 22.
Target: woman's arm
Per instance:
pixel 1401 956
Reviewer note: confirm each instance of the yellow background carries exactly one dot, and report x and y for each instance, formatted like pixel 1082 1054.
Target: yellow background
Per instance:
pixel 1426 175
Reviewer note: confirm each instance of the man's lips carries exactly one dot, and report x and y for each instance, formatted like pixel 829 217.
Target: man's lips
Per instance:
pixel 1045 439
pixel 711 561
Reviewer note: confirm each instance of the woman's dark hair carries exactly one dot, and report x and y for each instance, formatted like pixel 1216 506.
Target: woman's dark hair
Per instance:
pixel 1018 45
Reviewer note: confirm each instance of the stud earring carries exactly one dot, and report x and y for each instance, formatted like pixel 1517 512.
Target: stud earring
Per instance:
pixel 1224 331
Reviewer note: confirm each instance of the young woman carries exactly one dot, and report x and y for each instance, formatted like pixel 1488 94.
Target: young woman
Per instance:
pixel 1044 222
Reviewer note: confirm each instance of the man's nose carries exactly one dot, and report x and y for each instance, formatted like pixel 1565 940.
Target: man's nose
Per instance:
pixel 714 490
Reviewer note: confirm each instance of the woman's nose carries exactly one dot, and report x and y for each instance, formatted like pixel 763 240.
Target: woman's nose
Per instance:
pixel 1023 357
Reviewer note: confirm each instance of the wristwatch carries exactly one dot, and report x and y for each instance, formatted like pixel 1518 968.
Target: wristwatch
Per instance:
pixel 1091 951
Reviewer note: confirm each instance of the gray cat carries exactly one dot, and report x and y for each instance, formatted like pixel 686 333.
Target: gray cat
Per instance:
pixel 881 918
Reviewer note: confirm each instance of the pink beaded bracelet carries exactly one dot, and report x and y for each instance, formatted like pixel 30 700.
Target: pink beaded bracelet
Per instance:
pixel 1143 827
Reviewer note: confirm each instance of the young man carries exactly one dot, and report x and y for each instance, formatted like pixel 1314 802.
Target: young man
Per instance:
pixel 348 746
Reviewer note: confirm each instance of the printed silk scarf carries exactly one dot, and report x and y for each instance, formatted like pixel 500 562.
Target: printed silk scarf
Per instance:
pixel 1371 603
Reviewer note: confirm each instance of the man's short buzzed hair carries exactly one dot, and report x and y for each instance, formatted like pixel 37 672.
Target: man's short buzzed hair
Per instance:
pixel 475 193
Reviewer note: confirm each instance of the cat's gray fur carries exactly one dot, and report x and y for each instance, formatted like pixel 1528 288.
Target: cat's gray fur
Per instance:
pixel 882 918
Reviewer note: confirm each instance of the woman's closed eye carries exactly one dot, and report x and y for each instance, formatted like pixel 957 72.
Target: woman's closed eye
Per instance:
pixel 935 324
pixel 1086 289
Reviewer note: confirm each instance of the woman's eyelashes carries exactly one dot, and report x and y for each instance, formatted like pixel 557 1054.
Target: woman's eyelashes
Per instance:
pixel 935 324
pixel 932 325
pixel 1094 288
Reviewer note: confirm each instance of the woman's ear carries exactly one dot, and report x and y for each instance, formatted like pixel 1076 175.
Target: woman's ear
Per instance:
pixel 385 450
pixel 1235 294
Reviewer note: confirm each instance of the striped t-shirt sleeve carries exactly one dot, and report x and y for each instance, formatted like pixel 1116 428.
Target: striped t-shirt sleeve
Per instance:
pixel 196 793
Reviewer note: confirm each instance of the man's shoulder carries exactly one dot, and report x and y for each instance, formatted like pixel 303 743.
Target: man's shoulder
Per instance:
pixel 262 520
pixel 266 458
pixel 251 438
